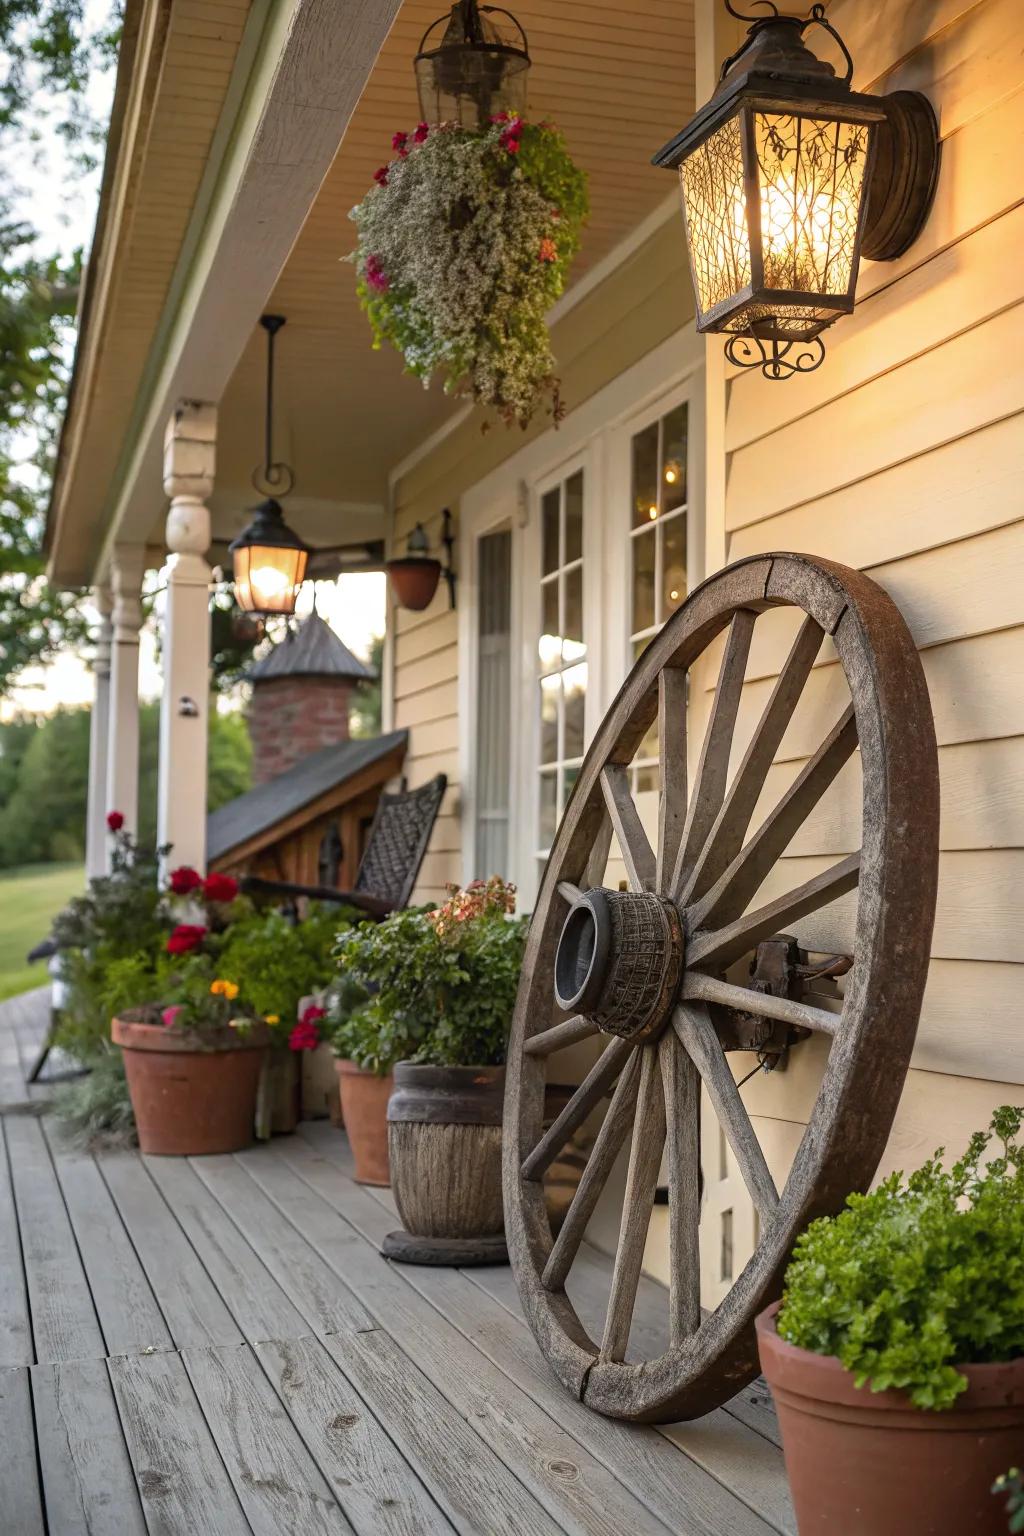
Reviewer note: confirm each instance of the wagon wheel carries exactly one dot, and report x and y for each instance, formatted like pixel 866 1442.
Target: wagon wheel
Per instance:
pixel 647 969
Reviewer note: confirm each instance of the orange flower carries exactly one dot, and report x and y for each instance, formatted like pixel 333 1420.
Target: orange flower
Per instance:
pixel 548 251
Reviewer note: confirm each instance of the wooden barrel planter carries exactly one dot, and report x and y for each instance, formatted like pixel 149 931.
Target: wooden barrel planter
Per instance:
pixel 444 1141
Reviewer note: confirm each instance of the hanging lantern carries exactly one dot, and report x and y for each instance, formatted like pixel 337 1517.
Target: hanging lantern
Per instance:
pixel 788 178
pixel 475 70
pixel 269 559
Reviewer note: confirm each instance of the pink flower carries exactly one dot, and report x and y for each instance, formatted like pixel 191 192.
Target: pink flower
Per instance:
pixel 220 888
pixel 115 821
pixel 184 880
pixel 422 130
pixel 313 1014
pixel 380 176
pixel 186 937
pixel 376 276
pixel 398 143
pixel 169 1015
pixel 512 145
pixel 305 1036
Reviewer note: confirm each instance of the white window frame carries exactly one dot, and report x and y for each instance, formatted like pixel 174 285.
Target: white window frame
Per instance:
pixel 596 437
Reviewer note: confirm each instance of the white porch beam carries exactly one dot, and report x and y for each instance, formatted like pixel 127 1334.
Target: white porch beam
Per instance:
pixel 190 445
pixel 99 731
pixel 127 568
pixel 304 81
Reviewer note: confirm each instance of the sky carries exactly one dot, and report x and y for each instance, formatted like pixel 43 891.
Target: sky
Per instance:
pixel 61 204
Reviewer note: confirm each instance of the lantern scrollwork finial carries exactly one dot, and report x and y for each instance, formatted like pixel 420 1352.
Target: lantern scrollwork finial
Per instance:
pixel 775 359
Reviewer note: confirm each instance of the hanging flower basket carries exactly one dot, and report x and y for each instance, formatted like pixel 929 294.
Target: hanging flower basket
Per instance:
pixel 463 245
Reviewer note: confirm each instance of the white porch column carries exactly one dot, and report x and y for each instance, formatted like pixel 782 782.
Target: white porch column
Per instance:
pixel 99 728
pixel 189 456
pixel 127 569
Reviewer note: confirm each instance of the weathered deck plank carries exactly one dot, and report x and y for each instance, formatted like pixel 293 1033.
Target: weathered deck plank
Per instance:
pixel 182 1481
pixel 21 1507
pixel 88 1481
pixel 278 1484
pixel 64 1322
pixel 15 1323
pixel 194 1311
pixel 128 1312
pixel 259 1305
pixel 727 1455
pixel 378 1490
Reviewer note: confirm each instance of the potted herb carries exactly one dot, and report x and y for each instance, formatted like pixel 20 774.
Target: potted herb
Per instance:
pixel 454 971
pixel 896 1356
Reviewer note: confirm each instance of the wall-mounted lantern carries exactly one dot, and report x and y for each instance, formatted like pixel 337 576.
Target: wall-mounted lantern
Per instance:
pixel 475 69
pixel 269 560
pixel 788 178
pixel 414 576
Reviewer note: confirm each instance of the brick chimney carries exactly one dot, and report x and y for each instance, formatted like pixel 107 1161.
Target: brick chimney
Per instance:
pixel 300 697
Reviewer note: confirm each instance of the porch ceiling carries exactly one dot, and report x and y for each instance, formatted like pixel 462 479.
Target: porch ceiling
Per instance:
pixel 617 76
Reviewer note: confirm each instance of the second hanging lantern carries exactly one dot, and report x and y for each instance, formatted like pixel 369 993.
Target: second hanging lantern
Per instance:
pixel 474 70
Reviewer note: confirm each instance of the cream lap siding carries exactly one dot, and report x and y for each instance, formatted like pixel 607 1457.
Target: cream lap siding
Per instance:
pixel 902 456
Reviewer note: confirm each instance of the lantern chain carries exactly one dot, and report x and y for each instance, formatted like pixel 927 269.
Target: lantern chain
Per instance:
pixel 278 477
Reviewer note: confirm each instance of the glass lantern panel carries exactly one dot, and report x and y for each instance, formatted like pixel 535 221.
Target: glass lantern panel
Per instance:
pixel 268 577
pixel 715 205
pixel 811 179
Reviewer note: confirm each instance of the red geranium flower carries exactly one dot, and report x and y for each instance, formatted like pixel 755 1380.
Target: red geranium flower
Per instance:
pixel 220 888
pixel 422 130
pixel 313 1014
pixel 381 176
pixel 186 936
pixel 305 1036
pixel 184 879
pixel 115 821
pixel 375 274
pixel 398 142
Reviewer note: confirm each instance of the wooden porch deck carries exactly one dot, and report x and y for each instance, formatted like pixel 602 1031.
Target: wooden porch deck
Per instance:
pixel 212 1346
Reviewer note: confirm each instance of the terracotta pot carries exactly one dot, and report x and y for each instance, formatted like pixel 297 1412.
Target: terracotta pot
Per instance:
pixel 364 1108
pixel 870 1464
pixel 444 1139
pixel 414 579
pixel 189 1099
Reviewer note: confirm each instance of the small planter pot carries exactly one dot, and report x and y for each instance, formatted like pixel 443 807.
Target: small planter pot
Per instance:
pixel 444 1138
pixel 320 1096
pixel 190 1098
pixel 870 1464
pixel 364 1108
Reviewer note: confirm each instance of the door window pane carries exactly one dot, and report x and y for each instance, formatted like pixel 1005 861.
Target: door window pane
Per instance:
pixel 645 476
pixel 494 702
pixel 561 649
pixel 673 460
pixel 644 555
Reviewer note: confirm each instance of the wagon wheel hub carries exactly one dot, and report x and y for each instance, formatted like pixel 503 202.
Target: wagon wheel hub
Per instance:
pixel 620 960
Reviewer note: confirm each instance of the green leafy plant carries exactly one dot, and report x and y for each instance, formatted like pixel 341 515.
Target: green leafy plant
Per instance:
pixel 921 1276
pixel 441 982
pixel 276 962
pixel 1011 1487
pixel 463 246
pixel 96 1111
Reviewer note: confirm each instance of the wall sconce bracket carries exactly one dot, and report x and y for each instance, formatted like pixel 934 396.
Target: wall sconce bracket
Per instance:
pixel 906 169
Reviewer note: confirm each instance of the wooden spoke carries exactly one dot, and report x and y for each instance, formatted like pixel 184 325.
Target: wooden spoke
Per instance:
pixel 637 852
pixel 731 823
pixel 610 1137
pixel 641 1182
pixel 569 892
pixel 681 1082
pixel 592 1089
pixel 672 758
pixel 694 1027
pixel 713 770
pixel 594 873
pixel 579 1027
pixel 731 893
pixel 708 989
pixel 714 951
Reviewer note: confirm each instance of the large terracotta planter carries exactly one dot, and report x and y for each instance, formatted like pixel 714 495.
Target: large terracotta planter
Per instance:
pixel 865 1463
pixel 364 1108
pixel 444 1140
pixel 189 1098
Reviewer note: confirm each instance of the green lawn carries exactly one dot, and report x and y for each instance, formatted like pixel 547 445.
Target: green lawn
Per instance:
pixel 29 898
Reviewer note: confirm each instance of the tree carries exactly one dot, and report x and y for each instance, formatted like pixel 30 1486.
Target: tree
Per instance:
pixel 366 699
pixel 46 56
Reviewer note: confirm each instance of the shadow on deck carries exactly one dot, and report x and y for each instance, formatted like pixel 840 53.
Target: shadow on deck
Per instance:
pixel 211 1346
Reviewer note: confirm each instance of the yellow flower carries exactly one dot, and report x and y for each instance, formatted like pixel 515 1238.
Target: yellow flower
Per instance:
pixel 226 989
pixel 273 1018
